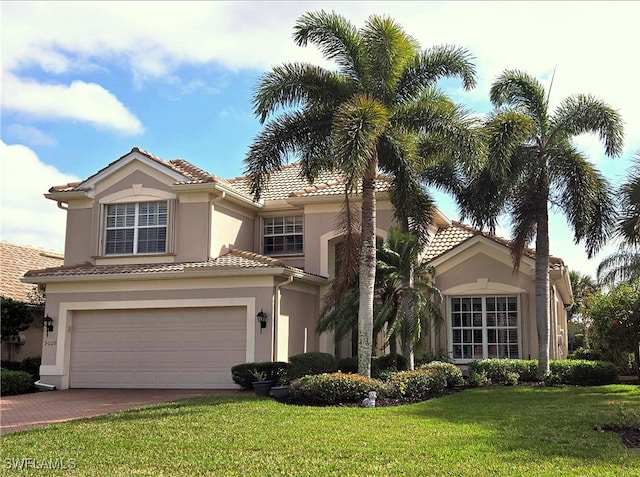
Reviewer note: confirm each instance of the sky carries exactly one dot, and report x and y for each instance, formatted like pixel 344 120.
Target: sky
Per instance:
pixel 85 82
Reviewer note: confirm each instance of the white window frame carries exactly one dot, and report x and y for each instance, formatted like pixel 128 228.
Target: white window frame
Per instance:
pixel 136 227
pixel 298 220
pixel 484 328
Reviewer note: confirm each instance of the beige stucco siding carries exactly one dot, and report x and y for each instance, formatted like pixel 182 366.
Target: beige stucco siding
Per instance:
pixel 300 309
pixel 78 240
pixel 192 232
pixel 231 229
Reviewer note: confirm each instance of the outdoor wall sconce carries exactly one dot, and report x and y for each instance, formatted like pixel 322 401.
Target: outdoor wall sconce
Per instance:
pixel 262 318
pixel 47 321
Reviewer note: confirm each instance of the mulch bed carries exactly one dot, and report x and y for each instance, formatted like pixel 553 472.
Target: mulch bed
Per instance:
pixel 630 436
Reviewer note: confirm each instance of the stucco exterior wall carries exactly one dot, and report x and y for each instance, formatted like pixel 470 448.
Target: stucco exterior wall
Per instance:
pixel 78 238
pixel 300 310
pixel 231 228
pixel 192 231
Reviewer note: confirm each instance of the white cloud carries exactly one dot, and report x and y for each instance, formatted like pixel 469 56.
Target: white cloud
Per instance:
pixel 28 218
pixel 79 101
pixel 30 135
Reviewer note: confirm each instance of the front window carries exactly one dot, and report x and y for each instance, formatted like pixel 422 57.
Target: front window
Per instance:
pixel 136 228
pixel 484 327
pixel 282 235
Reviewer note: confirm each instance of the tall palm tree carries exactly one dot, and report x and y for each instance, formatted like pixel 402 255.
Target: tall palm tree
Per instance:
pixel 624 265
pixel 407 307
pixel 363 118
pixel 533 163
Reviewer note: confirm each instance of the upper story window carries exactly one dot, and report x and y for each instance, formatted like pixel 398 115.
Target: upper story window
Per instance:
pixel 484 327
pixel 136 228
pixel 282 235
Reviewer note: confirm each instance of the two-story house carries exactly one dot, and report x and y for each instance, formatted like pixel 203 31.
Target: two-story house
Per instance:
pixel 172 275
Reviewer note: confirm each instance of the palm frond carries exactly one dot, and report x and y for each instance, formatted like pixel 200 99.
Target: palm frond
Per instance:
pixel 587 114
pixel 298 84
pixel 336 37
pixel 620 267
pixel 585 197
pixel 523 91
pixel 432 64
pixel 629 223
pixel 525 208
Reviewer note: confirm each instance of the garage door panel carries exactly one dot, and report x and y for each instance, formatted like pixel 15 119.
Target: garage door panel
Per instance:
pixel 192 348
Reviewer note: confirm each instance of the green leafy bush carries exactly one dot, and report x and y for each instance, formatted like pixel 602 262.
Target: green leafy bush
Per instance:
pixel 332 388
pixel 583 372
pixel 478 379
pixel 379 365
pixel 416 385
pixel 442 356
pixel 502 371
pixel 15 382
pixel 451 372
pixel 243 374
pixel 586 353
pixel 31 365
pixel 311 363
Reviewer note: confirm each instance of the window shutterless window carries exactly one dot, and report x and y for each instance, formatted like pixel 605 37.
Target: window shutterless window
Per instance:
pixel 484 327
pixel 282 235
pixel 136 228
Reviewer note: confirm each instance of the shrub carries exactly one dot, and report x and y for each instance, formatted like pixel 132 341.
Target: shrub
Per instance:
pixel 583 372
pixel 379 365
pixel 243 374
pixel 451 372
pixel 586 353
pixel 442 356
pixel 478 379
pixel 11 365
pixel 332 388
pixel 15 382
pixel 416 385
pixel 311 363
pixel 31 365
pixel 502 371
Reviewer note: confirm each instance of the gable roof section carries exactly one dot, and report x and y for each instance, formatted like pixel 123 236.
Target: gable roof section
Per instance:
pixel 15 261
pixel 233 262
pixel 448 238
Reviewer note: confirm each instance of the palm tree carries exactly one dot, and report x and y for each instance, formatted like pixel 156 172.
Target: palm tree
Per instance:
pixel 531 164
pixel 406 306
pixel 624 265
pixel 363 118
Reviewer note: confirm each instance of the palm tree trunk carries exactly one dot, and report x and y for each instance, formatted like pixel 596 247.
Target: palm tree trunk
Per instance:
pixel 367 269
pixel 542 290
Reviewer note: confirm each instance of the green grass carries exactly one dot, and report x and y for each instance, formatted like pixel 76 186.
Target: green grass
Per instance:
pixel 481 432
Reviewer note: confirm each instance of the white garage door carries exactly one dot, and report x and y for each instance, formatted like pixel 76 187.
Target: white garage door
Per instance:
pixel 190 348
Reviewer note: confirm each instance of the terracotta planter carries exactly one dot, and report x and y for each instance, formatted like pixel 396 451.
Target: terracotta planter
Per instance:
pixel 262 388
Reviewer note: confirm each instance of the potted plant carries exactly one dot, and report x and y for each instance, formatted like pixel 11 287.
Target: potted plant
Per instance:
pixel 281 390
pixel 261 385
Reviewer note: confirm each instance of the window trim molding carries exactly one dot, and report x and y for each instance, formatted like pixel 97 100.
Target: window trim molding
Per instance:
pixel 449 325
pixel 171 230
pixel 283 216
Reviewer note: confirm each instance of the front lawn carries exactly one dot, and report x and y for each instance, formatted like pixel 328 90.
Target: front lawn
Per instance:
pixel 480 432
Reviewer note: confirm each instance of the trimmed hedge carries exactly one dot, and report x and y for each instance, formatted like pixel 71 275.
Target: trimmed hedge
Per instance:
pixel 503 371
pixel 451 372
pixel 15 382
pixel 311 363
pixel 416 385
pixel 332 388
pixel 242 374
pixel 31 365
pixel 379 364
pixel 512 371
pixel 584 373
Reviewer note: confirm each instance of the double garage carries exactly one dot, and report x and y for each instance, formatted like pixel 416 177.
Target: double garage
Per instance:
pixel 192 348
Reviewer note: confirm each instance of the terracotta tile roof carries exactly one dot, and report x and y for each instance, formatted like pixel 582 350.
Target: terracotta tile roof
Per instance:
pixel 457 233
pixel 232 260
pixel 287 182
pixel 15 261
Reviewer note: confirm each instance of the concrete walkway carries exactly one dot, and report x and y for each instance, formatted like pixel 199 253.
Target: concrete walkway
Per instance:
pixel 21 412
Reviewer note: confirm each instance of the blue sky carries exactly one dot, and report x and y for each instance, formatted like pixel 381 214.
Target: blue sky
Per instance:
pixel 84 82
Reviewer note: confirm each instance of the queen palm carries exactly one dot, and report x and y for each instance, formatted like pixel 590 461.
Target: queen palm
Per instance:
pixel 533 163
pixel 364 117
pixel 624 265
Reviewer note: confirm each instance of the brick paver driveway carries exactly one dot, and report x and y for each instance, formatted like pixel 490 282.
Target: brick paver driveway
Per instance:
pixel 21 412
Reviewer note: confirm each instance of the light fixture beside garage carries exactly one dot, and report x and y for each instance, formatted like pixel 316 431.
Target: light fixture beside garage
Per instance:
pixel 47 321
pixel 262 318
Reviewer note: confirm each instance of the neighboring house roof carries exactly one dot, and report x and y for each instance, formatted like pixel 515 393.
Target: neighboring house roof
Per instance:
pixel 448 238
pixel 234 260
pixel 15 260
